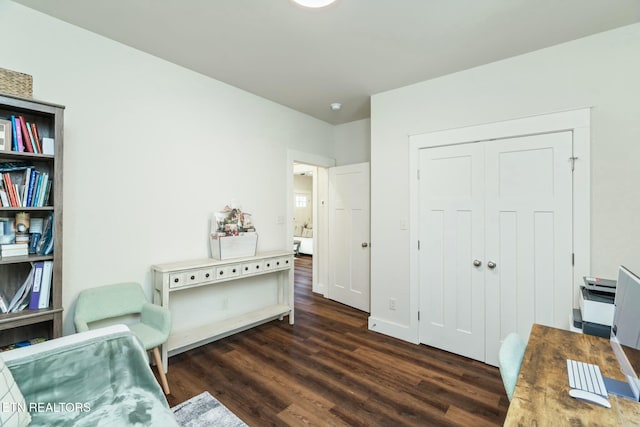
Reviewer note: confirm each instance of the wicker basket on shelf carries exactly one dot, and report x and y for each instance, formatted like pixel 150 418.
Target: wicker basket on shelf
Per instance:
pixel 15 83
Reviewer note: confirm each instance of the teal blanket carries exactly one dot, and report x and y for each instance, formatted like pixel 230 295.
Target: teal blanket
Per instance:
pixel 103 381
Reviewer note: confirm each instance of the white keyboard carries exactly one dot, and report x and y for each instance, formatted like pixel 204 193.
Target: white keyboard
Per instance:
pixel 587 377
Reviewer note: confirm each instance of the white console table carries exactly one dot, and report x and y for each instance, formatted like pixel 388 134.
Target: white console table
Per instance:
pixel 183 276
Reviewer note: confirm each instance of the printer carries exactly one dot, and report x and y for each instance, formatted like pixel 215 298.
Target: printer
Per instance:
pixel 595 315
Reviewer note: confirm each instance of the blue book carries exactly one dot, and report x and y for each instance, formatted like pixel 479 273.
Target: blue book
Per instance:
pixel 32 184
pixel 37 284
pixel 36 189
pixel 15 133
pixel 34 238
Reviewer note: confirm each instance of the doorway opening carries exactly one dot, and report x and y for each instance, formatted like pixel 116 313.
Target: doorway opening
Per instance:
pixel 308 211
pixel 319 215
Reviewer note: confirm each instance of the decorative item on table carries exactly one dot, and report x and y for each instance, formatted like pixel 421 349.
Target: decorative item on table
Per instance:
pixel 233 234
pixel 23 221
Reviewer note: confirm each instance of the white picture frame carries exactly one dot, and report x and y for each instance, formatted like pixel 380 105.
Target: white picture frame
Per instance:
pixel 5 135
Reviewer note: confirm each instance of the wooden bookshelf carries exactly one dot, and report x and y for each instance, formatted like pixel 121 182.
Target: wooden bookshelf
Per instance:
pixel 46 322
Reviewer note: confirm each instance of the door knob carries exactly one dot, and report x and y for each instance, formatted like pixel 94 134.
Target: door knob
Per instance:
pixel 477 262
pixel 491 265
pixel 365 244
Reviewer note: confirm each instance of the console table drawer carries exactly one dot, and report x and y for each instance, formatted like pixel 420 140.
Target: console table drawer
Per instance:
pixel 183 278
pixel 190 277
pixel 227 271
pixel 284 262
pixel 252 267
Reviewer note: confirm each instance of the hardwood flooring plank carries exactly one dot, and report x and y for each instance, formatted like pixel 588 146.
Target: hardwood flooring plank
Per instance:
pixel 279 381
pixel 329 370
pixel 295 415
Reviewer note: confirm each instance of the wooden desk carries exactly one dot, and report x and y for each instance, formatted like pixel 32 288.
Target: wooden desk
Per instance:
pixel 541 397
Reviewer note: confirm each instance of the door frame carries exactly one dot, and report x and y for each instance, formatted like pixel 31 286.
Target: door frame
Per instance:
pixel 576 121
pixel 320 268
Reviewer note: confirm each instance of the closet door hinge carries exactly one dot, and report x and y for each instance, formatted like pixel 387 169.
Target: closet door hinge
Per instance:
pixel 418 316
pixel 573 159
pixel 418 244
pixel 573 259
pixel 418 175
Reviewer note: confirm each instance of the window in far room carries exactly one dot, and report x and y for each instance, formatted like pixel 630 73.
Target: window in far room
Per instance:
pixel 301 200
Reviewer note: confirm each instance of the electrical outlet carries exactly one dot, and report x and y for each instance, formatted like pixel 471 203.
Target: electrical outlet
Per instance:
pixel 392 303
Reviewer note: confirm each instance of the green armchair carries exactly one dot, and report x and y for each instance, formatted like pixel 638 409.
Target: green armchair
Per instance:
pixel 121 301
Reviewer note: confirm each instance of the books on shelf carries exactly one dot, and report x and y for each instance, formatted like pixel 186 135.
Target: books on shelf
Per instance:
pixel 21 344
pixel 8 250
pixel 38 238
pixel 21 299
pixel 45 245
pixel 23 136
pixel 35 291
pixel 17 134
pixel 34 302
pixel 24 188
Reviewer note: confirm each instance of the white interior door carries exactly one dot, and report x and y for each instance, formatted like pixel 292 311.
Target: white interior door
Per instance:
pixel 528 235
pixel 349 235
pixel 451 236
pixel 495 227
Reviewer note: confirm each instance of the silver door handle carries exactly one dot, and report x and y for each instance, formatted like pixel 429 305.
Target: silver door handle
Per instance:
pixel 477 263
pixel 491 265
pixel 365 244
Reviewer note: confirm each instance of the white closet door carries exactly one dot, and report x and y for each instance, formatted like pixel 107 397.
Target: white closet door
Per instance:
pixel 528 235
pixel 496 243
pixel 451 231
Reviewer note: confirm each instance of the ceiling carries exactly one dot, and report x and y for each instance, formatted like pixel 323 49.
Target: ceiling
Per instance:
pixel 307 59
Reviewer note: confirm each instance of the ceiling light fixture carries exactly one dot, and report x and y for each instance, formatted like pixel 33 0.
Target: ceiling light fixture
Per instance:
pixel 335 106
pixel 314 3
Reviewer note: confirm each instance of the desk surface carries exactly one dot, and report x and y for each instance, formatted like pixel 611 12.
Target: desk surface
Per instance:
pixel 541 397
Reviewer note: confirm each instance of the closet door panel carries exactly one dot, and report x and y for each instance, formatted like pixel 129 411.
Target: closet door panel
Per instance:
pixel 451 238
pixel 528 234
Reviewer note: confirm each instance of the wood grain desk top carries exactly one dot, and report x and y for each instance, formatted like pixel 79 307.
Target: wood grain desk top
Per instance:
pixel 541 397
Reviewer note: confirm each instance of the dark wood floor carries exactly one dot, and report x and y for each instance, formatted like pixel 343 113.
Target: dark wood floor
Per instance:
pixel 329 370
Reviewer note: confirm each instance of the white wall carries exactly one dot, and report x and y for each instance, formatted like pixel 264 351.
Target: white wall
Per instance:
pixel 151 150
pixel 353 142
pixel 600 71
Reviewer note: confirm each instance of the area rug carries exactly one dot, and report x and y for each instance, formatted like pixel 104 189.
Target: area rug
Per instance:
pixel 204 410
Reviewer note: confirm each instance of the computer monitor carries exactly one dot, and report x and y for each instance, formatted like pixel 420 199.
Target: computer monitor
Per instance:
pixel 625 333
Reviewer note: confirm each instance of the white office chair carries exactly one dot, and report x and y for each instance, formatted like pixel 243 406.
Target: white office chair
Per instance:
pixel 510 359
